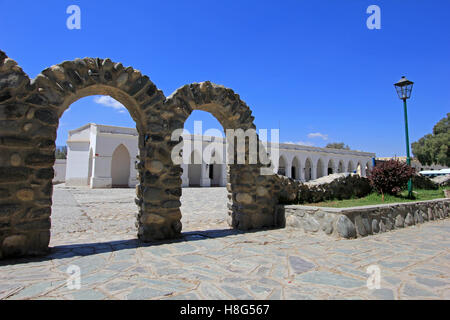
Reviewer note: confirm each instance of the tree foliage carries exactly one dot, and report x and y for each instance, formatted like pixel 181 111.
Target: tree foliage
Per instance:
pixel 435 148
pixel 337 145
pixel 390 176
pixel 61 153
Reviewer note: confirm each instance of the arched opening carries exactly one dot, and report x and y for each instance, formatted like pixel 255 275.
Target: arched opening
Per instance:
pixel 350 167
pixel 368 168
pixel 341 166
pixel 359 169
pixel 319 173
pixel 295 169
pixel 102 143
pixel 282 166
pixel 330 169
pixel 308 169
pixel 195 169
pixel 250 202
pixel 216 169
pixel 120 167
pixel 204 203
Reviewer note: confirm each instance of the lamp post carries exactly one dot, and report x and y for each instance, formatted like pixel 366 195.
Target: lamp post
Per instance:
pixel 404 89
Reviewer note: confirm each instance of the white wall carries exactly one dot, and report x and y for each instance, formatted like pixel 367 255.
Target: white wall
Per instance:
pixel 103 141
pixel 60 171
pixel 107 139
pixel 77 163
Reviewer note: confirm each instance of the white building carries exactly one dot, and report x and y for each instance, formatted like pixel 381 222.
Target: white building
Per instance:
pixel 102 156
pixel 415 164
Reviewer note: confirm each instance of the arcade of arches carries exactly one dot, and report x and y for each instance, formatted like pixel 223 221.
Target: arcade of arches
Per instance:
pixel 304 163
pixel 205 167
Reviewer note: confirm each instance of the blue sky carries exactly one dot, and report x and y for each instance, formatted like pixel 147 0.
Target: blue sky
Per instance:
pixel 311 67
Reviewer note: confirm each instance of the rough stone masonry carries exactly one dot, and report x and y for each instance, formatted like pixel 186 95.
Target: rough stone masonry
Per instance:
pixel 29 118
pixel 366 220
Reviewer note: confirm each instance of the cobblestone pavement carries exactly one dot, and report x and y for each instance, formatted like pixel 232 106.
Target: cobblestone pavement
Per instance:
pixel 94 230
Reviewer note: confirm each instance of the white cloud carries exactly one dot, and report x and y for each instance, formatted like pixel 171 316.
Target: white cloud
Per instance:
pixel 301 143
pixel 110 102
pixel 318 135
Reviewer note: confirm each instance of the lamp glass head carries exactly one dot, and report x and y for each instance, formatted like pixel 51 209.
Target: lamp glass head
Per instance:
pixel 404 88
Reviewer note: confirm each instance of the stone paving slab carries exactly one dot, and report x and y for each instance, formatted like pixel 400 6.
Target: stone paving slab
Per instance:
pixel 94 230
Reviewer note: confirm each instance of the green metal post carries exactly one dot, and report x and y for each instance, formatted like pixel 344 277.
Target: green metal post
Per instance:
pixel 408 158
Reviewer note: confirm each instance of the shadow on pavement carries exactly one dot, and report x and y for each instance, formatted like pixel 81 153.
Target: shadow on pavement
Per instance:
pixel 86 249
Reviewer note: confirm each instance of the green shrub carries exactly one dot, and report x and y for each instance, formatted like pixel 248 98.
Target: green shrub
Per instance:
pixel 390 177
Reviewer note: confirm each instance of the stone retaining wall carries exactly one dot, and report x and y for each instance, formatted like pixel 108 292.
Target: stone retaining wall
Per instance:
pixel 363 221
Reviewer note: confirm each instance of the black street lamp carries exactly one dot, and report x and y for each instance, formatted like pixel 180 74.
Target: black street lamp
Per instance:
pixel 404 89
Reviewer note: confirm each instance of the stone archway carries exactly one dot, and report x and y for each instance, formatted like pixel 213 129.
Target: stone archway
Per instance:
pixel 33 109
pixel 120 167
pixel 251 200
pixel 30 112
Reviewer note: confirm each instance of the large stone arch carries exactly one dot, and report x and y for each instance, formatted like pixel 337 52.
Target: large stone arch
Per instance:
pixel 32 109
pixel 29 116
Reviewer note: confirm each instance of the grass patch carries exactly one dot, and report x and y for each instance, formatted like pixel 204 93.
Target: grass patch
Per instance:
pixel 375 198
